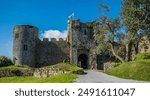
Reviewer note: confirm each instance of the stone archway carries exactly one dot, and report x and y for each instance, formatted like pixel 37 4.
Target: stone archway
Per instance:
pixel 83 61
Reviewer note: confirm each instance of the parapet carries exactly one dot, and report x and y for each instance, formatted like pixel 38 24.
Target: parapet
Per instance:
pixel 61 39
pixel 74 23
pixel 45 39
pixel 25 27
pixel 57 40
pixel 53 39
pixel 21 29
pixel 78 24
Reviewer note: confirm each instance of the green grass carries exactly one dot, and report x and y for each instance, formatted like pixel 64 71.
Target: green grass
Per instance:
pixel 65 66
pixel 142 56
pixel 60 78
pixel 137 70
pixel 61 66
pixel 14 67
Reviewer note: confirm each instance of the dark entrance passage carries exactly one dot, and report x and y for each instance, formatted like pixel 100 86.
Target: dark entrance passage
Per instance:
pixel 82 61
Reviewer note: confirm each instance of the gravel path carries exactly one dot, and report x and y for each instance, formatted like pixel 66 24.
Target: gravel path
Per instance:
pixel 93 76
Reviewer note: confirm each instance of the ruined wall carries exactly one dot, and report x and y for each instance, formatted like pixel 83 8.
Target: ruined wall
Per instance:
pixel 144 45
pixel 51 52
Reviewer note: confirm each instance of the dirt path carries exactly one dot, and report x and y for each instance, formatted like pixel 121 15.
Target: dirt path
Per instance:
pixel 93 76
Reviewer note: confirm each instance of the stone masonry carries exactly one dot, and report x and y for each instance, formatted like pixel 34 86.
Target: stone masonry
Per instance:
pixel 29 50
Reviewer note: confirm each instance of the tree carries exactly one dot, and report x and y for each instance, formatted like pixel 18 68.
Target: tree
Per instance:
pixel 106 35
pixel 136 18
pixel 4 61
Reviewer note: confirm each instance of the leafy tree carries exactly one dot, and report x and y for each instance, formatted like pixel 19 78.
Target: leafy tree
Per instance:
pixel 4 61
pixel 136 18
pixel 107 33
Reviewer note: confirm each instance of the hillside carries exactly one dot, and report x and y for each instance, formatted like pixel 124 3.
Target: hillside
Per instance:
pixel 137 70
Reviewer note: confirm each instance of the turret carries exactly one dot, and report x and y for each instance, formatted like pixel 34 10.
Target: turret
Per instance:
pixel 72 38
pixel 24 43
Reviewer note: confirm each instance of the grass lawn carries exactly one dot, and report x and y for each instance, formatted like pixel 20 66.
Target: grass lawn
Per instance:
pixel 14 67
pixel 138 70
pixel 60 78
pixel 64 66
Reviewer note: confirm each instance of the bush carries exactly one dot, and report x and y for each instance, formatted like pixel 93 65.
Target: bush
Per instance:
pixel 142 56
pixel 4 61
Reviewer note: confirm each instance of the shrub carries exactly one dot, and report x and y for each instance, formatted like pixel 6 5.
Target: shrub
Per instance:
pixel 4 61
pixel 142 56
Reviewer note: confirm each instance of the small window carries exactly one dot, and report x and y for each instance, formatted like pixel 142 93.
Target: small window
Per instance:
pixel 85 32
pixel 25 48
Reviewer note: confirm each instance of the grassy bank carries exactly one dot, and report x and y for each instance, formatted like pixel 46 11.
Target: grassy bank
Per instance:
pixel 64 66
pixel 137 70
pixel 14 67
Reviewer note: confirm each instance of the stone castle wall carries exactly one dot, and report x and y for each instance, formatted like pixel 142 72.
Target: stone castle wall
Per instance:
pixel 51 52
pixel 81 43
pixel 29 50
pixel 144 44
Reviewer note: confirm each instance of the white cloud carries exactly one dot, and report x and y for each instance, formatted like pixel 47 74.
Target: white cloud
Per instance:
pixel 54 34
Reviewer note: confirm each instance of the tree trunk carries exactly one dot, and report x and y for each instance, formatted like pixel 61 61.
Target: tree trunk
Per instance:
pixel 113 52
pixel 127 50
pixel 136 47
pixel 130 50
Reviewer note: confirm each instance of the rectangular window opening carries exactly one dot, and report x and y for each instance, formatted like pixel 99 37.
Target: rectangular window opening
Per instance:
pixel 25 47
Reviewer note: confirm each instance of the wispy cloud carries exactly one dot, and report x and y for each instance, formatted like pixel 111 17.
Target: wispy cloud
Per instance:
pixel 54 34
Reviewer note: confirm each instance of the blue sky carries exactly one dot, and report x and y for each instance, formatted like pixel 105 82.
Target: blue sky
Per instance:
pixel 47 15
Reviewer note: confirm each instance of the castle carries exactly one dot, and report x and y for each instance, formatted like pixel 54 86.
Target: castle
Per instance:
pixel 28 49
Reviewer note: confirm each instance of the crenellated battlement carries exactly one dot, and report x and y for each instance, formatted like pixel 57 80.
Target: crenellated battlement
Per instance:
pixel 53 40
pixel 77 24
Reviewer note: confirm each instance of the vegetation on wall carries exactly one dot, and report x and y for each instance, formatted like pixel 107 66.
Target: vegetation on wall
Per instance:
pixel 90 25
pixel 64 66
pixel 14 67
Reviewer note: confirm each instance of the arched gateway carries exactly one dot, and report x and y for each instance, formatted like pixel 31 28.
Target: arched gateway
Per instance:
pixel 83 61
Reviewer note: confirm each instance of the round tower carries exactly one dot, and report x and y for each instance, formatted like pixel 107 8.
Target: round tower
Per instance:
pixel 24 44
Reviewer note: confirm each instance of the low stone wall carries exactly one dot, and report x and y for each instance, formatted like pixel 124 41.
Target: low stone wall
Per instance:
pixel 39 72
pixel 108 66
pixel 16 72
pixel 46 72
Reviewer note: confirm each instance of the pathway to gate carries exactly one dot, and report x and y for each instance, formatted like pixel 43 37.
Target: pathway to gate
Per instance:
pixel 93 76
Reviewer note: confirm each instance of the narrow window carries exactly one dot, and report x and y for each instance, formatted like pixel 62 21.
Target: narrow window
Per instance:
pixel 85 32
pixel 25 48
